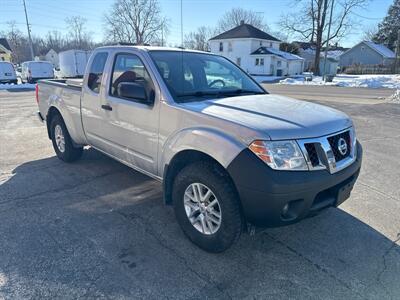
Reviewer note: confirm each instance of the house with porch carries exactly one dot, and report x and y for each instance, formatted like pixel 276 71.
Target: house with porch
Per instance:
pixel 256 52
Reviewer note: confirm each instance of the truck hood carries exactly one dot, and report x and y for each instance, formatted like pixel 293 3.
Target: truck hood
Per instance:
pixel 277 116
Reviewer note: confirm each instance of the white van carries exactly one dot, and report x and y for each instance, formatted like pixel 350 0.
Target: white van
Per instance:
pixel 73 63
pixel 7 73
pixel 35 70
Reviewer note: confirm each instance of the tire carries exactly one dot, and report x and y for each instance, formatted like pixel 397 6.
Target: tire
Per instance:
pixel 208 175
pixel 66 152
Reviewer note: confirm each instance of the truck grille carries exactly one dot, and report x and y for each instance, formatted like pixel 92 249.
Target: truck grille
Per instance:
pixel 334 152
pixel 312 154
pixel 334 143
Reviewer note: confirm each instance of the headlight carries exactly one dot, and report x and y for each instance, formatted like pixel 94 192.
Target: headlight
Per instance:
pixel 280 155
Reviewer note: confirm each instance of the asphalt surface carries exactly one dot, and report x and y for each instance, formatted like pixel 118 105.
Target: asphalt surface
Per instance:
pixel 97 229
pixel 331 93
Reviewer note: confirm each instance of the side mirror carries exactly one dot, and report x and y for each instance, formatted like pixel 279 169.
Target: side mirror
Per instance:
pixel 133 90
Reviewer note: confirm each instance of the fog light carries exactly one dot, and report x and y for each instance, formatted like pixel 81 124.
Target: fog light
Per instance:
pixel 285 210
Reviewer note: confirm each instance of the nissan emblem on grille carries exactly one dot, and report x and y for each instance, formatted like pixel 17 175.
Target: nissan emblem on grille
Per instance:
pixel 342 146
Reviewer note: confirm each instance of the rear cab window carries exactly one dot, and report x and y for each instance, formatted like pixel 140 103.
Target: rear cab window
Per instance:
pixel 96 71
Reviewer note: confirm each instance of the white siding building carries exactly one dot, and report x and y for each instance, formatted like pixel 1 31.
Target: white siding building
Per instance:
pixel 256 52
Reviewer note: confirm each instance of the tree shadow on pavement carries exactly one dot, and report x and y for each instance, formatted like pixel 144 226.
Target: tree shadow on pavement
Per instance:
pixel 96 228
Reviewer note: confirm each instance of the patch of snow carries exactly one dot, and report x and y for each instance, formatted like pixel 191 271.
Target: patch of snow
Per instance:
pixel 7 86
pixel 395 97
pixel 335 54
pixel 368 81
pixel 285 55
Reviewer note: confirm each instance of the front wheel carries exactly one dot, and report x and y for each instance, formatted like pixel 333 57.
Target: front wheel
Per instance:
pixel 62 142
pixel 207 207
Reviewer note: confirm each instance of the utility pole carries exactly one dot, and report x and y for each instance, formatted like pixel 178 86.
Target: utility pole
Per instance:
pixel 29 32
pixel 162 35
pixel 327 41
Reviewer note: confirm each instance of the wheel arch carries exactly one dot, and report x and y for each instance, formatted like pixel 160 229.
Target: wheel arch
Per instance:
pixel 52 112
pixel 183 159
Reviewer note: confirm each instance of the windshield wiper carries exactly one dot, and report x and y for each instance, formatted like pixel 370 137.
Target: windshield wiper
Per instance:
pixel 241 91
pixel 220 93
pixel 199 94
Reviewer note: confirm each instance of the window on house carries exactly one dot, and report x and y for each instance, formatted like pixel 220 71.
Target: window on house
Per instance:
pixel 278 63
pixel 257 61
pixel 238 61
pixel 362 48
pixel 230 46
pixel 261 61
pixel 221 46
pixel 270 44
pixel 260 43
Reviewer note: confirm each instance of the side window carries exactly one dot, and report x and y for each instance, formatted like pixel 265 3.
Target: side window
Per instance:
pixel 96 71
pixel 128 68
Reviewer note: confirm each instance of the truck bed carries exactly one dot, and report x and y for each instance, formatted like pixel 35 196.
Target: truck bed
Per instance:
pixel 65 96
pixel 64 83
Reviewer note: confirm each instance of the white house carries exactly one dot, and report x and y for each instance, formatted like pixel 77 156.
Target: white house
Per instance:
pixel 256 51
pixel 52 57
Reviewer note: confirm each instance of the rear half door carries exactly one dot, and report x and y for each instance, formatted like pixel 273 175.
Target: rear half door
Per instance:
pixel 92 91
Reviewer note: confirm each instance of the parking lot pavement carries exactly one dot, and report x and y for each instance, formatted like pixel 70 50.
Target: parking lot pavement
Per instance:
pixel 97 229
pixel 331 93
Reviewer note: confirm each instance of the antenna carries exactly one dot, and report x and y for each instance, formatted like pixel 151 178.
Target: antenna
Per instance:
pixel 182 23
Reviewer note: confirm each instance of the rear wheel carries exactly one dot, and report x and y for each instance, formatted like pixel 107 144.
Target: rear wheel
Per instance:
pixel 207 207
pixel 62 142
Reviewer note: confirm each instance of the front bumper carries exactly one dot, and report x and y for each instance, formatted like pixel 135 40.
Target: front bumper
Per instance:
pixel 264 192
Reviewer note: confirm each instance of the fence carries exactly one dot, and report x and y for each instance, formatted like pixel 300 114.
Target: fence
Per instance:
pixel 369 69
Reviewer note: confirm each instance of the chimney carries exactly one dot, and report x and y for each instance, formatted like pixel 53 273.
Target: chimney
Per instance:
pixel 242 22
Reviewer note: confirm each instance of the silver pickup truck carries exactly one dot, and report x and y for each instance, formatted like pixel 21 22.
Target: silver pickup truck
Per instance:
pixel 229 155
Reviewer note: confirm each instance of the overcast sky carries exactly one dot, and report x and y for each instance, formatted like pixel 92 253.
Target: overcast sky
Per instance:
pixel 45 15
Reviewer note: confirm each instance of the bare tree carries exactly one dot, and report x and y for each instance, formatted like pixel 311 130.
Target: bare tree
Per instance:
pixel 135 21
pixel 235 16
pixel 311 22
pixel 370 32
pixel 18 43
pixel 54 40
pixel 78 36
pixel 198 40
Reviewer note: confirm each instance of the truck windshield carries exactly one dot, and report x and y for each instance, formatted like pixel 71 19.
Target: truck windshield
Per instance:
pixel 192 76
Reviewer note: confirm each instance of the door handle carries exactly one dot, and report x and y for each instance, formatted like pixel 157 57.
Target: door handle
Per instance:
pixel 106 107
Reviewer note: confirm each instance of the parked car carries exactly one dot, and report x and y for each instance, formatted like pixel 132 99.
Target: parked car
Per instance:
pixel 73 63
pixel 31 71
pixel 227 153
pixel 7 73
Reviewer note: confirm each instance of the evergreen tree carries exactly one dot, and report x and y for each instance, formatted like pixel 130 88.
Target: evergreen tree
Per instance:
pixel 389 27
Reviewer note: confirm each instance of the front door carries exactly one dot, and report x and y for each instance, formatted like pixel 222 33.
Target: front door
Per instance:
pixel 131 124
